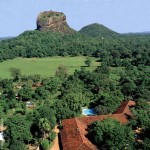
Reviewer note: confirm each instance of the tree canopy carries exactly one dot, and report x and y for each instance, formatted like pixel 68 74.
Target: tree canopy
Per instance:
pixel 110 134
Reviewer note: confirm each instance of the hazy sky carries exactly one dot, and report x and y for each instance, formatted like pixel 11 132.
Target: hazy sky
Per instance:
pixel 122 16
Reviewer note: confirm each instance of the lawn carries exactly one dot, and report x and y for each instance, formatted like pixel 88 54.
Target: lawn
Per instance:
pixel 44 66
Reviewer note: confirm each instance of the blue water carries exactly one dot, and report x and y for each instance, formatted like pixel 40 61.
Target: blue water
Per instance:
pixel 88 111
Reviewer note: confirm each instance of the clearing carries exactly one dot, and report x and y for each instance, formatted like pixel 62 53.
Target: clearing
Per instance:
pixel 46 67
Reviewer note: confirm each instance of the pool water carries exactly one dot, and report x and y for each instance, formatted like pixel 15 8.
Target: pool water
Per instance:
pixel 88 111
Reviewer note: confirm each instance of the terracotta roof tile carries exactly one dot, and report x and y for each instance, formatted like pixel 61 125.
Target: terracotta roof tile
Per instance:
pixel 125 108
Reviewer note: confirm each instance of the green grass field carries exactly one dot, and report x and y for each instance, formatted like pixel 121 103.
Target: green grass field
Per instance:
pixel 44 66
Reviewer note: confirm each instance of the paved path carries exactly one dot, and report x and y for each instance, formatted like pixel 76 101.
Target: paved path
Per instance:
pixel 56 143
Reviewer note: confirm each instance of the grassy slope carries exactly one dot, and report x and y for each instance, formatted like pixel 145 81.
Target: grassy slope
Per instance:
pixel 44 66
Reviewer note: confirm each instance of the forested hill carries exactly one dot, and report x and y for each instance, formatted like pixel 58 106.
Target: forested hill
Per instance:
pixel 117 51
pixel 98 30
pixel 137 33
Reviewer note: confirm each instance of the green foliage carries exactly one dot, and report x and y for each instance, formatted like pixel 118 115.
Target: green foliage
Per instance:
pixel 111 100
pixel 63 111
pixel 45 67
pixel 6 85
pixel 47 44
pixel 117 51
pixel 98 31
pixel 141 120
pixel 88 61
pixel 41 93
pixel 15 73
pixel 110 134
pixel 44 126
pixel 52 136
pixel 46 112
pixel 45 144
pixel 18 145
pixel 102 110
pixel 25 93
pixel 50 14
pixel 18 131
pixel 135 82
pixel 146 144
pixel 63 96
pixel 61 72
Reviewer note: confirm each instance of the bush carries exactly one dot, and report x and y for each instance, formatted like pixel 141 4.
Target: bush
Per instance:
pixel 102 110
pixel 45 144
pixel 52 136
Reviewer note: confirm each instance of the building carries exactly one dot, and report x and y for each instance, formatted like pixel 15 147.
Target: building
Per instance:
pixel 73 134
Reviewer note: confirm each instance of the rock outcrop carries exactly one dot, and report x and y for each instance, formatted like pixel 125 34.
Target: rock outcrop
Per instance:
pixel 53 21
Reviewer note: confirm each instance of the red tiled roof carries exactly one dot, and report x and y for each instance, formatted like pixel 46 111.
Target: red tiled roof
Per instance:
pixel 125 108
pixel 73 134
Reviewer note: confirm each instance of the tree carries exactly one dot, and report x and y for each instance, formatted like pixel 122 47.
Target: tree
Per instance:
pixel 25 93
pixel 44 126
pixel 103 69
pixel 141 121
pixel 6 85
pixel 101 110
pixel 109 101
pixel 110 134
pixel 61 72
pixel 18 145
pixel 74 101
pixel 88 61
pixel 18 131
pixel 15 73
pixel 41 93
pixel 45 111
pixel 45 144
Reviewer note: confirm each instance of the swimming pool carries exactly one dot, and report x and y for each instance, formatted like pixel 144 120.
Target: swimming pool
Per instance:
pixel 88 111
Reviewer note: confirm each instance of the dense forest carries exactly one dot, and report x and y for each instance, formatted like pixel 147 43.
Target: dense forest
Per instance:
pixel 123 74
pixel 63 96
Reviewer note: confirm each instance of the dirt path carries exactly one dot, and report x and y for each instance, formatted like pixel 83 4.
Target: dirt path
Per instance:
pixel 56 143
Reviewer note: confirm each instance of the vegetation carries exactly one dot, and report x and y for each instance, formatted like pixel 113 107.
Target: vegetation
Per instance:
pixel 66 95
pixel 110 134
pixel 88 61
pixel 50 14
pixel 121 72
pixel 98 31
pixel 44 67
pixel 118 51
pixel 5 38
pixel 141 124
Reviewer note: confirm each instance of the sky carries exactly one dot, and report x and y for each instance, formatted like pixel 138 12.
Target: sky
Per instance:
pixel 122 16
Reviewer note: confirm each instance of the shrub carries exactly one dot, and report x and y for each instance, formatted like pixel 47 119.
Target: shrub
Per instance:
pixel 45 144
pixel 52 136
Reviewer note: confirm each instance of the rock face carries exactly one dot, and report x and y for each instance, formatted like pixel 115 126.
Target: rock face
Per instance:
pixel 53 21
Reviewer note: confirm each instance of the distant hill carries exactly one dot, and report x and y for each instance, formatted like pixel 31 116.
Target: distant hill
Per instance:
pixel 5 38
pixel 137 33
pixel 98 30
